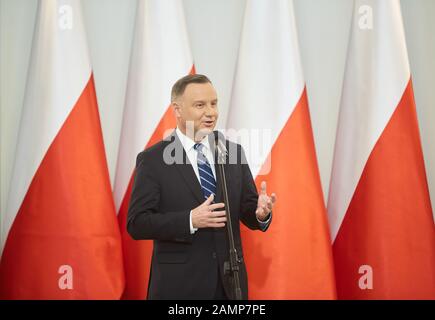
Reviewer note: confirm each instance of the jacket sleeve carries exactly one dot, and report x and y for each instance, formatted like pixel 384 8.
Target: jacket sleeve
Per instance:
pixel 144 219
pixel 248 203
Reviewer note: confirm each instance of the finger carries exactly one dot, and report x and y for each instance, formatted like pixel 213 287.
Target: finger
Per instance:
pixel 259 212
pixel 265 211
pixel 216 225
pixel 263 187
pixel 218 220
pixel 209 200
pixel 273 198
pixel 215 206
pixel 218 213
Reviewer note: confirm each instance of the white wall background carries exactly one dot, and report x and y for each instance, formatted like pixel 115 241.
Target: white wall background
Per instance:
pixel 214 27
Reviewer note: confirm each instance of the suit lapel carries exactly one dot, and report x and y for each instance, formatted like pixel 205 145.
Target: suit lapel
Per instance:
pixel 186 170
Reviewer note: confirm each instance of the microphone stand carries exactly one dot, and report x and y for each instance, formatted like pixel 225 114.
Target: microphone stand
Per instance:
pixel 231 267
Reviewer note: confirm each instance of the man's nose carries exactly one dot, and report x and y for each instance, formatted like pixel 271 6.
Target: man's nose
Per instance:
pixel 211 110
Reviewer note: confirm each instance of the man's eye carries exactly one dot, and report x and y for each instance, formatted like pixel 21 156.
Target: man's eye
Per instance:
pixel 200 105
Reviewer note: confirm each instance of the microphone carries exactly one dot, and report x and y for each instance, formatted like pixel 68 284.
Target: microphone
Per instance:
pixel 231 267
pixel 219 142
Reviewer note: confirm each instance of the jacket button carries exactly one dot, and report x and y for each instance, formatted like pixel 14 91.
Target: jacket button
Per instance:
pixel 214 255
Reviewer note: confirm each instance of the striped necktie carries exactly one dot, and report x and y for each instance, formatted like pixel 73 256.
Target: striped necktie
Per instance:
pixel 208 182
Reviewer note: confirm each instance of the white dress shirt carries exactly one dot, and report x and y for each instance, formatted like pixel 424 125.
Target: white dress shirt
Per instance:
pixel 192 154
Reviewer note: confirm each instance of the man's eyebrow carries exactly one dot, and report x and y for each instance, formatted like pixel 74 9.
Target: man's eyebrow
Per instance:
pixel 204 101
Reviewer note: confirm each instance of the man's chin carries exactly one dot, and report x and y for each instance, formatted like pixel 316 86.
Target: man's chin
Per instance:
pixel 203 132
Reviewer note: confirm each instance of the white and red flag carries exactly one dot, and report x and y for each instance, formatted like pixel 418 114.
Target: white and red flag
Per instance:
pixel 293 259
pixel 160 56
pixel 60 238
pixel 379 206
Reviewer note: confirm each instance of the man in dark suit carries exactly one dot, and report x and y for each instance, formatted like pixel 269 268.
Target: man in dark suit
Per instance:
pixel 177 201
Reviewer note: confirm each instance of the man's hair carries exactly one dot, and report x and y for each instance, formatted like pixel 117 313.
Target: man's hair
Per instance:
pixel 180 86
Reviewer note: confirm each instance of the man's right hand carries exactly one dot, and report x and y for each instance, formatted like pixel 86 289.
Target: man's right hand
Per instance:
pixel 203 216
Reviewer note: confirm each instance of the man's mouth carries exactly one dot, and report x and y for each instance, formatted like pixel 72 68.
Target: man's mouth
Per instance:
pixel 208 123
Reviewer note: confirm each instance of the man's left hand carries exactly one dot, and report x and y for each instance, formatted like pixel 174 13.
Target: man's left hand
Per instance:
pixel 265 203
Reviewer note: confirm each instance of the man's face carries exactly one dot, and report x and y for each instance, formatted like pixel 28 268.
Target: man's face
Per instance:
pixel 197 106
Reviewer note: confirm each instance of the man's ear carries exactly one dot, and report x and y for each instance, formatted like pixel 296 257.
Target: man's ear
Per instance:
pixel 177 108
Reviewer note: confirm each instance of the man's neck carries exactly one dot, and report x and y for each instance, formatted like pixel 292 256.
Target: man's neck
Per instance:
pixel 183 131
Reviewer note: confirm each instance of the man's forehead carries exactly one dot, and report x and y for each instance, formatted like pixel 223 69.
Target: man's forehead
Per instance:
pixel 195 89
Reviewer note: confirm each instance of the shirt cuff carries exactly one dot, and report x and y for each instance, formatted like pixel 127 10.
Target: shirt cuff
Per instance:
pixel 192 229
pixel 264 224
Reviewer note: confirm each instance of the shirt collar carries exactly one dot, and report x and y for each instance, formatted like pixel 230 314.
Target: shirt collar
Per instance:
pixel 188 143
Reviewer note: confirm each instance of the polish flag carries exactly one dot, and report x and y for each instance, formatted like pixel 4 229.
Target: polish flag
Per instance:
pixel 293 259
pixel 60 235
pixel 379 206
pixel 160 56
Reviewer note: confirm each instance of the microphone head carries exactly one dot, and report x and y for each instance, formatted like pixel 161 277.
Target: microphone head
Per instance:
pixel 218 144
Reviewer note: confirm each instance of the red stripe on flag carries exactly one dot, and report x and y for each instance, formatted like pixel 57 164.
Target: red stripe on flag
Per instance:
pixel 67 218
pixel 389 225
pixel 293 259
